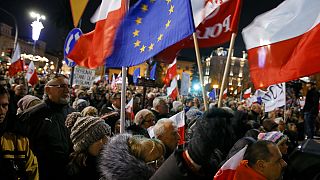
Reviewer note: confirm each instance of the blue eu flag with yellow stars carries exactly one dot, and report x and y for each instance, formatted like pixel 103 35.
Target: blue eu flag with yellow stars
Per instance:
pixel 149 27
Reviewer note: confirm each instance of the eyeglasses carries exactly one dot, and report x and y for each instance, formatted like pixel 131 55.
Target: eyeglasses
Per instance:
pixel 60 85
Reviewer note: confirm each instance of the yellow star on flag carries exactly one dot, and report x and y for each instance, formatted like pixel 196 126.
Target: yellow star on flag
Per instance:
pixel 144 7
pixel 151 47
pixel 168 24
pixel 171 9
pixel 152 1
pixel 160 37
pixel 137 43
pixel 142 48
pixel 136 33
pixel 138 20
pixel 168 1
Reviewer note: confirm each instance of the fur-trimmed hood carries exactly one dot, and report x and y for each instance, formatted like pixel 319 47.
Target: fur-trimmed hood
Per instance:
pixel 116 162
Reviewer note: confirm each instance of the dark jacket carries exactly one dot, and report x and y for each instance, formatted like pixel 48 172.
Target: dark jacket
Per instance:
pixel 312 102
pixel 116 162
pixel 90 171
pixel 44 125
pixel 137 130
pixel 159 116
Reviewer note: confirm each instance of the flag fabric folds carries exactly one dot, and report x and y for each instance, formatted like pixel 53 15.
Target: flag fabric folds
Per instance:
pixel 171 72
pixel 225 94
pixel 135 76
pixel 179 120
pixel 32 76
pixel 129 109
pixel 214 29
pixel 153 71
pixel 228 169
pixel 283 44
pixel 247 93
pixel 92 48
pixel 172 91
pixel 17 63
pixel 212 94
pixel 148 28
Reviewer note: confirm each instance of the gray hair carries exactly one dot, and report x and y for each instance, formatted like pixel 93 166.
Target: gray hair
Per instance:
pixel 157 101
pixel 140 117
pixel 159 129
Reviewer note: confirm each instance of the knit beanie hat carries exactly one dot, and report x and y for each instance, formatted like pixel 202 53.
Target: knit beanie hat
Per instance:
pixel 71 119
pixel 87 130
pixel 25 102
pixel 274 136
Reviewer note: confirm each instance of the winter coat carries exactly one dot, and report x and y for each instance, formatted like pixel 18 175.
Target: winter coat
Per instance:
pixel 116 162
pixel 90 171
pixel 44 125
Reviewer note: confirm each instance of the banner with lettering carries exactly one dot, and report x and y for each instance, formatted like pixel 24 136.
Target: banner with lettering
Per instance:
pixel 83 76
pixel 275 97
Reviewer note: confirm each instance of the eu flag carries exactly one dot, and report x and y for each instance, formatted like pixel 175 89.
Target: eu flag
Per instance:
pixel 153 71
pixel 149 27
pixel 136 74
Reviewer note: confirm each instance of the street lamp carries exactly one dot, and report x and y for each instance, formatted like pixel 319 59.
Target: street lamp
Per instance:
pixel 37 26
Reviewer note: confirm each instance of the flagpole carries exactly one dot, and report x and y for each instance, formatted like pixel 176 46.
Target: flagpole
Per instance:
pixel 196 47
pixel 123 91
pixel 226 69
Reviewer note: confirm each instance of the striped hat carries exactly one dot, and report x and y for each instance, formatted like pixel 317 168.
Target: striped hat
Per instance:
pixel 274 136
pixel 87 130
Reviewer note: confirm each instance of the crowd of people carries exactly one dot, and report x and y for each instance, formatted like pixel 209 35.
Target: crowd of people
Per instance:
pixel 54 131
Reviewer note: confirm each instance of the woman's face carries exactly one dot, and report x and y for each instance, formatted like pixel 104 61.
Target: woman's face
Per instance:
pixel 95 148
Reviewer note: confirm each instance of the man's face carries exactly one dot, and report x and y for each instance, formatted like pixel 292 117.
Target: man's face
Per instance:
pixel 58 90
pixel 20 90
pixel 4 103
pixel 117 102
pixel 273 168
pixel 171 137
pixel 163 108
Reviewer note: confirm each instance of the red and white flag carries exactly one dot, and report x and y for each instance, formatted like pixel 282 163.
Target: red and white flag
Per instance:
pixel 225 94
pixel 247 93
pixel 215 22
pixel 283 44
pixel 32 76
pixel 113 84
pixel 129 109
pixel 172 91
pixel 179 120
pixel 17 63
pixel 228 169
pixel 171 72
pixel 92 48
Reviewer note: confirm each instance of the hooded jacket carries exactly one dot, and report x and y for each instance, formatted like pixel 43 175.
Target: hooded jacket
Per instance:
pixel 116 162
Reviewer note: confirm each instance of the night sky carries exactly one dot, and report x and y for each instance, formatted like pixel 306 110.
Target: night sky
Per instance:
pixel 59 20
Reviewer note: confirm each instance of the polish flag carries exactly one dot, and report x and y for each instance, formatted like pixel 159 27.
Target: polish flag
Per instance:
pixel 225 94
pixel 171 72
pixel 283 44
pixel 17 63
pixel 129 109
pixel 113 84
pixel 179 120
pixel 247 93
pixel 228 169
pixel 172 91
pixel 215 22
pixel 92 48
pixel 32 76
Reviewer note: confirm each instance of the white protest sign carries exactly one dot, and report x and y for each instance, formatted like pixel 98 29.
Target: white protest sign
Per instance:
pixel 275 97
pixel 83 77
pixel 185 84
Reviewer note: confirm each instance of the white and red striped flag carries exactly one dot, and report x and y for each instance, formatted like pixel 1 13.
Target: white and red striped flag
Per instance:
pixel 17 63
pixel 32 76
pixel 129 109
pixel 172 91
pixel 247 93
pixel 228 169
pixel 92 48
pixel 283 44
pixel 113 84
pixel 179 120
pixel 171 72
pixel 225 94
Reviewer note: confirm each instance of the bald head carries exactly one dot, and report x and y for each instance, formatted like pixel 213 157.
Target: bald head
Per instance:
pixel 57 90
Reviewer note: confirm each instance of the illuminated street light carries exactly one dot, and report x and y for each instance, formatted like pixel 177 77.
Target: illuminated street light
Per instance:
pixel 37 26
